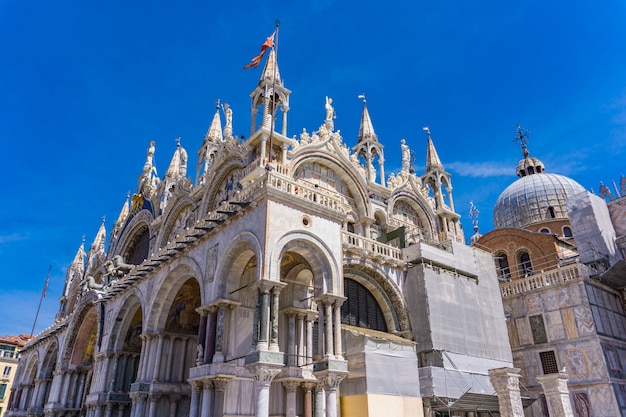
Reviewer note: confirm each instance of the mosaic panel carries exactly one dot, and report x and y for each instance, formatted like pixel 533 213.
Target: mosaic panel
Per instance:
pixel 554 326
pixel 538 329
pixel 584 321
pixel 523 331
pixel 533 304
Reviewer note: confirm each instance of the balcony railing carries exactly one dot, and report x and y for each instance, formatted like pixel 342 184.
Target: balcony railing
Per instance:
pixel 544 279
pixel 373 247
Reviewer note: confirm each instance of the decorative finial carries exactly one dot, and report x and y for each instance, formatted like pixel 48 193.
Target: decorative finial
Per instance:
pixel 521 136
pixel 362 97
pixel 277 22
pixel 473 215
pixel 83 239
pixel 217 103
pixel 427 130
pixel 104 218
pixel 178 141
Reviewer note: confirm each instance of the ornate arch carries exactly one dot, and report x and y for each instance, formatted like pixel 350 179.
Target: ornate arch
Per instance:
pixel 318 255
pixel 133 234
pixel 123 322
pixel 214 181
pixel 237 254
pixel 387 294
pixel 81 335
pixel 344 171
pixel 185 207
pixel 184 270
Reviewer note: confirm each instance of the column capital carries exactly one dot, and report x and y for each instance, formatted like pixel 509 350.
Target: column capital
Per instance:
pixel 196 386
pixel 291 384
pixel 332 380
pixel 207 384
pixel 264 374
pixel 330 299
pixel 138 397
pixel 308 386
pixel 220 383
pixel 269 286
pixel 154 396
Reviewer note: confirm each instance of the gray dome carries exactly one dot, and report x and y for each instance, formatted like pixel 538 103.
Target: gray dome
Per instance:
pixel 528 200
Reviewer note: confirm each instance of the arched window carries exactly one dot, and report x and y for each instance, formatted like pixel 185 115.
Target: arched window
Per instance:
pixel 361 308
pixel 544 230
pixel 551 214
pixel 525 266
pixel 139 247
pixel 502 266
pixel 567 231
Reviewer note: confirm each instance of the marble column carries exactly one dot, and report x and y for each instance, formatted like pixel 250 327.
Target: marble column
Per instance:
pixel 201 335
pixel 557 394
pixel 220 385
pixel 167 377
pixel 218 357
pixel 108 409
pixel 139 400
pixel 309 338
pixel 338 348
pixel 506 383
pixel 329 329
pixel 157 359
pixel 196 389
pixel 308 398
pixel 207 399
pixel 290 403
pixel 291 343
pixel 274 308
pixel 264 320
pixel 301 338
pixel 331 386
pixel 263 376
pixel 113 381
pixel 154 398
pixel 320 400
pixel 174 398
pixel 209 349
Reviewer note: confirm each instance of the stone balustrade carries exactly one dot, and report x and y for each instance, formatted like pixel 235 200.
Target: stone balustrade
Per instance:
pixel 544 279
pixel 375 248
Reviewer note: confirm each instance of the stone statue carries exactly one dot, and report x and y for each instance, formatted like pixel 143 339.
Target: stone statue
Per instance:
pixel 117 268
pixel 330 112
pixel 406 156
pixel 199 355
pixel 91 284
pixel 305 139
pixel 228 113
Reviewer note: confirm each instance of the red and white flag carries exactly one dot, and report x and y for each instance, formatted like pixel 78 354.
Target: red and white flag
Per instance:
pixel 269 42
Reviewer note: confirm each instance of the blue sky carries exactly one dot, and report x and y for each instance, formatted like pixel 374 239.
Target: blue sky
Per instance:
pixel 85 86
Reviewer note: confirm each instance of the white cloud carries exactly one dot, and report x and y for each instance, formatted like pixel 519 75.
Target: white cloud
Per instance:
pixel 13 237
pixel 481 169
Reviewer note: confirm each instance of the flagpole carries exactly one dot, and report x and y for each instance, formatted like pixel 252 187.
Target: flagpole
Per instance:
pixel 274 90
pixel 43 295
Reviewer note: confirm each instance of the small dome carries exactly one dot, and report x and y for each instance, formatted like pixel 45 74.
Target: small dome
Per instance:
pixel 534 198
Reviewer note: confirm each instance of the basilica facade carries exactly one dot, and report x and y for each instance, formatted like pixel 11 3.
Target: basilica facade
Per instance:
pixel 290 278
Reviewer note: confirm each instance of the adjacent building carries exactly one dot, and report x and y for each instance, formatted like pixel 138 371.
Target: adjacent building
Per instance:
pixel 559 253
pixel 10 347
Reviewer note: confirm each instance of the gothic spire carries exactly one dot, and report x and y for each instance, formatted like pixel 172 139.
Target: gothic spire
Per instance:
pixel 271 72
pixel 432 158
pixel 366 130
pixel 178 164
pixel 123 212
pixel 98 242
pixel 214 134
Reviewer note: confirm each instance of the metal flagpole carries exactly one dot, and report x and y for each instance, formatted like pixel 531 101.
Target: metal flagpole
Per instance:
pixel 273 108
pixel 43 295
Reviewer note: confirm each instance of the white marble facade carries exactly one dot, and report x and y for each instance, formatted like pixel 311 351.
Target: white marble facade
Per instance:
pixel 223 296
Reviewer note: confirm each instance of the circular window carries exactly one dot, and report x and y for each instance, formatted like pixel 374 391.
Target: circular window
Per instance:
pixel 306 221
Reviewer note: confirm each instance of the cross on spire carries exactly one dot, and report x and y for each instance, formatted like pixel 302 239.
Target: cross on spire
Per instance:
pixel 521 137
